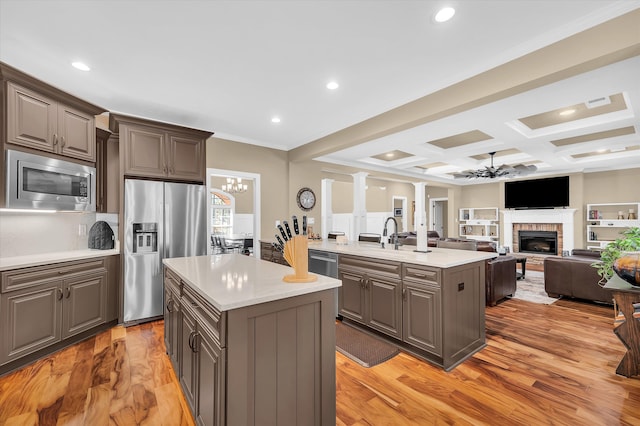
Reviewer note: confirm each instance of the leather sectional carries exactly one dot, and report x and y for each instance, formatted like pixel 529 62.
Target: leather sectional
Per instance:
pixel 573 276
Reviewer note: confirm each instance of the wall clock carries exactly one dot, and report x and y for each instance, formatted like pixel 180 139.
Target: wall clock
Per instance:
pixel 306 199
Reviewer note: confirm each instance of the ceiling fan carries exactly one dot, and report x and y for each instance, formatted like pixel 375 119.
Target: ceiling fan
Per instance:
pixel 492 172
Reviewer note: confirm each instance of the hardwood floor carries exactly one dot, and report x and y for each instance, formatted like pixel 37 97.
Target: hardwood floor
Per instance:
pixel 543 364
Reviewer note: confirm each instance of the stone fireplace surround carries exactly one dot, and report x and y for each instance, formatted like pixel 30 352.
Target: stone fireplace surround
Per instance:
pixel 558 220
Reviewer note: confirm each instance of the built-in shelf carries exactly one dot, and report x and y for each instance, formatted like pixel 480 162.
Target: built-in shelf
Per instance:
pixel 606 221
pixel 479 224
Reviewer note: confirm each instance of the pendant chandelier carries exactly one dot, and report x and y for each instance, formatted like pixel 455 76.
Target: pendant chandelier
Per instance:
pixel 234 186
pixel 491 172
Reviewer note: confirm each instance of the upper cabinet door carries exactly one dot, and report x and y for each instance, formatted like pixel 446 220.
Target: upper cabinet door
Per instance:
pixel 31 119
pixel 186 158
pixel 76 134
pixel 143 150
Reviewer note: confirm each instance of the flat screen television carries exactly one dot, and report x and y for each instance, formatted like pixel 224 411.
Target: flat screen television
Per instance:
pixel 537 193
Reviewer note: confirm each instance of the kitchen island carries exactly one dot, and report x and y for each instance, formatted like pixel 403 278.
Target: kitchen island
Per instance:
pixel 247 347
pixel 429 304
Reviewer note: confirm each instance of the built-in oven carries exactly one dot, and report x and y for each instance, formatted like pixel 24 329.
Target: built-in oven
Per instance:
pixel 38 182
pixel 325 263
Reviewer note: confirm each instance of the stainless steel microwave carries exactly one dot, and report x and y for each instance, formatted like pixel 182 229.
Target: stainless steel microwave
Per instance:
pixel 38 182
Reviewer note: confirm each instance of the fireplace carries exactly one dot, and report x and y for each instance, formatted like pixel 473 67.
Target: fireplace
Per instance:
pixel 538 242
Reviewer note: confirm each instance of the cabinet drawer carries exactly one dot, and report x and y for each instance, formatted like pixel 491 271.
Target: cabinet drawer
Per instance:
pixel 371 266
pixel 22 278
pixel 213 319
pixel 172 281
pixel 425 274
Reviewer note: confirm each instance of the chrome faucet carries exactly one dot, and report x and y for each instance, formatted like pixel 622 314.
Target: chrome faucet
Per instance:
pixel 395 234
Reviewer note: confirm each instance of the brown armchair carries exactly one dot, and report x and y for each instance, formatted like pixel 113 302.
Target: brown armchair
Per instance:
pixel 500 278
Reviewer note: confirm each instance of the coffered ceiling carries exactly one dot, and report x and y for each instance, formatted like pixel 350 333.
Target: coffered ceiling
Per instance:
pixel 231 66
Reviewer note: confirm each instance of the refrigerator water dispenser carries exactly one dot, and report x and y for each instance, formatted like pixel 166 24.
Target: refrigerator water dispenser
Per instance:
pixel 145 237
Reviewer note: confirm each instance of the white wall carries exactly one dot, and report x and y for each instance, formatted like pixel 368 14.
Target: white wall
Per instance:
pixel 34 233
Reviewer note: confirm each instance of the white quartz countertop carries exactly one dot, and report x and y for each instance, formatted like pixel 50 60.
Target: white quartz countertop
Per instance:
pixel 231 281
pixel 436 257
pixel 14 262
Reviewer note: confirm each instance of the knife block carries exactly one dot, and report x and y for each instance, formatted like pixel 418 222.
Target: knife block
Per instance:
pixel 296 253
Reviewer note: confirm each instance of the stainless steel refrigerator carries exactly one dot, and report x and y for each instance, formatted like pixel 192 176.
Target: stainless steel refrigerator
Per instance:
pixel 161 220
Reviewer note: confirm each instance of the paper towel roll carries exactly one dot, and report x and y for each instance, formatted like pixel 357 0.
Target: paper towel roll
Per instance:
pixel 422 241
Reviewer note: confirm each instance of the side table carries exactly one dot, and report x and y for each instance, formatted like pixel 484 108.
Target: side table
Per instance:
pixel 522 260
pixel 628 331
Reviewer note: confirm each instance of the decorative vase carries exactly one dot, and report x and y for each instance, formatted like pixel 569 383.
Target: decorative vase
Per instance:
pixel 627 267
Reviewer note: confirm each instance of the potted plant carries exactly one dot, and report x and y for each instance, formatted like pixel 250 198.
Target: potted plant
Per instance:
pixel 630 242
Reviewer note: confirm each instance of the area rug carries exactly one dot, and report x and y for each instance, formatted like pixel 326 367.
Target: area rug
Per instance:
pixel 531 289
pixel 362 348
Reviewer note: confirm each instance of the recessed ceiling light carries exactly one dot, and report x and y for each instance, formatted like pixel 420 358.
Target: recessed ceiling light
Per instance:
pixel 602 151
pixel 389 154
pixel 81 66
pixel 445 14
pixel 275 120
pixel 332 85
pixel 567 112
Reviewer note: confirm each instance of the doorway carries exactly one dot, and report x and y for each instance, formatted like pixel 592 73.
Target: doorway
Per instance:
pixel 438 216
pixel 254 224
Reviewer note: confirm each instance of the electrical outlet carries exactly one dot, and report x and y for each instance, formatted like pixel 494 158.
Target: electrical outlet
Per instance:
pixel 311 220
pixel 82 230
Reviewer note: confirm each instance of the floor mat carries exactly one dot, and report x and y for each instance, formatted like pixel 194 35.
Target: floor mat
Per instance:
pixel 366 350
pixel 531 289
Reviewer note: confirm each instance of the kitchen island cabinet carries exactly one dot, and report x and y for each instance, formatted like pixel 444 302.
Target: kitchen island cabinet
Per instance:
pixel 428 304
pixel 371 293
pixel 252 349
pixel 47 307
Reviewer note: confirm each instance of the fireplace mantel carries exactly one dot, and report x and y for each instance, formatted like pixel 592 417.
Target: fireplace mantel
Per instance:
pixel 562 216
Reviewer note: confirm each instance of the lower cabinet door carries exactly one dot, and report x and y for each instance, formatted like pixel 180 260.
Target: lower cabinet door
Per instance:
pixel 211 381
pixel 171 326
pixel 85 303
pixel 352 296
pixel 30 320
pixel 187 356
pixel 422 318
pixel 385 305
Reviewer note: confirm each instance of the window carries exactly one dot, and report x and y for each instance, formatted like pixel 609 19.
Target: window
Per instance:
pixel 222 210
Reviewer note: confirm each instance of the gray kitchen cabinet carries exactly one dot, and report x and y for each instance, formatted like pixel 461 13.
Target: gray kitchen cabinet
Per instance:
pixel 41 307
pixel 160 150
pixel 371 293
pixel 422 310
pixel 85 302
pixel 201 368
pixel 31 319
pixel 107 172
pixel 41 122
pixel 172 318
pixel 422 323
pixel 210 364
pixel 434 313
pixel 268 363
pixel 352 295
pixel 187 369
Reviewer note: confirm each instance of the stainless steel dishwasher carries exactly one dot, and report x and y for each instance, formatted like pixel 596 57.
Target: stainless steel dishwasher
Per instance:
pixel 324 263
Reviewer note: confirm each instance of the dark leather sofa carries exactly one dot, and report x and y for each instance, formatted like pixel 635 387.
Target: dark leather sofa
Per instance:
pixel 573 276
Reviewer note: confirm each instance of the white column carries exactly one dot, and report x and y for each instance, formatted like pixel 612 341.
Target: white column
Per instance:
pixel 326 214
pixel 359 204
pixel 420 217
